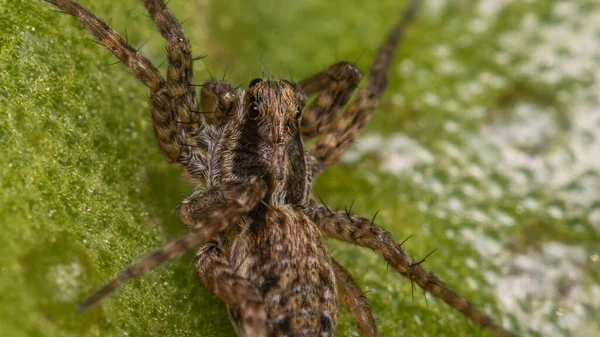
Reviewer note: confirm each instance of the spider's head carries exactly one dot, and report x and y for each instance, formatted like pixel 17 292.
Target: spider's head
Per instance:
pixel 275 108
pixel 270 129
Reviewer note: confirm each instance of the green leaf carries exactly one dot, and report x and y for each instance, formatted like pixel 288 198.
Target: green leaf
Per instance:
pixel 485 147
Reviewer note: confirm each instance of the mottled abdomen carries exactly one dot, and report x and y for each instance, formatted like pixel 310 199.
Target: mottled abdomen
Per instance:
pixel 285 257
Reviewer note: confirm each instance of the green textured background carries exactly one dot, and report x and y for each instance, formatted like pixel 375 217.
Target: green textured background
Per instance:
pixel 84 191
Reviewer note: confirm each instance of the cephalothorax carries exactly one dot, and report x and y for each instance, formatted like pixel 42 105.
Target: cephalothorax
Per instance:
pixel 257 228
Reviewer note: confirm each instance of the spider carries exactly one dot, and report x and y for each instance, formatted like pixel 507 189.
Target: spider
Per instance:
pixel 257 230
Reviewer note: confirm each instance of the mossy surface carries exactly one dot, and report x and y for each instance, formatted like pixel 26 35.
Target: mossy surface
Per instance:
pixel 485 147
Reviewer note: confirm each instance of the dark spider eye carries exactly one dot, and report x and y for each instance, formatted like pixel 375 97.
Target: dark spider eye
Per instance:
pixel 299 112
pixel 254 81
pixel 254 111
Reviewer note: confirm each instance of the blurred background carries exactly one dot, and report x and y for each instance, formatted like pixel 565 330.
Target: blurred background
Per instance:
pixel 486 146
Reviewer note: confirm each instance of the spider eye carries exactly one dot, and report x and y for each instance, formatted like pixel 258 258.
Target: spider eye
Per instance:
pixel 299 112
pixel 254 111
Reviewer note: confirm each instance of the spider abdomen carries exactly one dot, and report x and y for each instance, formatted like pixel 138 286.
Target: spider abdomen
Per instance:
pixel 285 257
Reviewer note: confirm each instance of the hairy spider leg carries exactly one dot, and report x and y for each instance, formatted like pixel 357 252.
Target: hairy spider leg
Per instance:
pixel 335 86
pixel 217 275
pixel 239 198
pixel 182 95
pixel 173 100
pixel 339 133
pixel 365 233
pixel 354 301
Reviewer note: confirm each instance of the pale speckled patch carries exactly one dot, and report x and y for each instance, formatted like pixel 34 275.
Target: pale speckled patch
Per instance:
pixel 548 290
pixel 65 276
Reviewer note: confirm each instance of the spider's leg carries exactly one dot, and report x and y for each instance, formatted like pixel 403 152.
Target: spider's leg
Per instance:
pixel 221 279
pixel 237 202
pixel 173 125
pixel 363 232
pixel 331 145
pixel 335 86
pixel 139 65
pixel 182 94
pixel 180 74
pixel 353 299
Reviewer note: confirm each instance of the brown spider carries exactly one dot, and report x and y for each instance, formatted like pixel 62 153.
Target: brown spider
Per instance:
pixel 257 229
